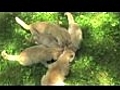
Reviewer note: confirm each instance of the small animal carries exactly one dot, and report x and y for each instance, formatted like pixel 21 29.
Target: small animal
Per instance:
pixel 59 69
pixel 46 40
pixel 34 54
pixel 74 31
pixel 61 34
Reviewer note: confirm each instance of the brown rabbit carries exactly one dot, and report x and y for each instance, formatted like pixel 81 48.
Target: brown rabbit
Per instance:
pixel 60 34
pixel 34 54
pixel 46 40
pixel 58 70
pixel 74 31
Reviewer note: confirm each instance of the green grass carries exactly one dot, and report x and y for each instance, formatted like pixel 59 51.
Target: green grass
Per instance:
pixel 96 63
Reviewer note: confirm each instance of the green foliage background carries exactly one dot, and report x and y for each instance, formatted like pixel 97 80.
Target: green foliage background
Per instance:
pixel 96 63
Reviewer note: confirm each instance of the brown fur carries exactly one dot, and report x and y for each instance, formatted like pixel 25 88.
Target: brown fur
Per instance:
pixel 58 70
pixel 34 54
pixel 46 40
pixel 59 33
pixel 74 31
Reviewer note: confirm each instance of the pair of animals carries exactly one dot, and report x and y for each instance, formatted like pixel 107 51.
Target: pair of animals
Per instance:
pixel 52 42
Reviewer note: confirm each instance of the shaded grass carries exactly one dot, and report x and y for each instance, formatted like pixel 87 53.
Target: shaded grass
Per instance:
pixel 96 63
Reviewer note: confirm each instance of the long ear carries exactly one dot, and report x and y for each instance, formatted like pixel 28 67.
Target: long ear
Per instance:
pixel 22 23
pixel 70 18
pixel 9 56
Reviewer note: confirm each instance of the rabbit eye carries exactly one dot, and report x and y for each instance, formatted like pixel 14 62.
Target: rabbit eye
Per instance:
pixel 71 56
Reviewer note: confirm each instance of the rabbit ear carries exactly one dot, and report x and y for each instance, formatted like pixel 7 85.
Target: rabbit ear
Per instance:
pixel 70 18
pixel 22 23
pixel 9 57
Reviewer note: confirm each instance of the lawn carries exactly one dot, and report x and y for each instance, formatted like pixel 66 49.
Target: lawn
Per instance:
pixel 96 63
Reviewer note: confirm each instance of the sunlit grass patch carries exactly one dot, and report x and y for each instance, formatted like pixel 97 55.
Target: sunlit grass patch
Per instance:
pixel 83 62
pixel 98 24
pixel 39 16
pixel 97 20
pixel 104 78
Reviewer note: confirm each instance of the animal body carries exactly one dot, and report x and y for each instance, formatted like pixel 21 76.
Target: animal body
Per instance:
pixel 74 31
pixel 60 34
pixel 34 54
pixel 58 70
